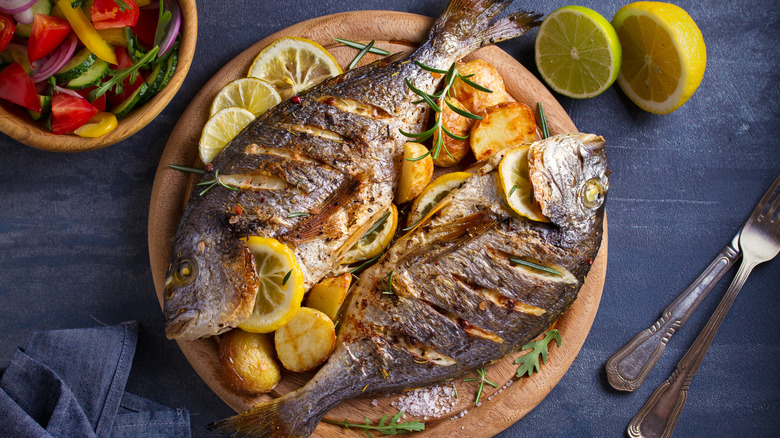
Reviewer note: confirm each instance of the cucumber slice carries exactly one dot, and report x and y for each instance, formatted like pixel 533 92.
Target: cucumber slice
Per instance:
pixel 173 61
pixel 90 77
pixel 45 108
pixel 154 82
pixel 16 53
pixel 123 108
pixel 76 66
pixel 40 7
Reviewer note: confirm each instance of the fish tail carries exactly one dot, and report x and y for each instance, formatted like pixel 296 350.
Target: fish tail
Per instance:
pixel 295 414
pixel 473 24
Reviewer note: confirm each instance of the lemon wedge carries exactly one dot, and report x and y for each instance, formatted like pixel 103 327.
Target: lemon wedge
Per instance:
pixel 433 194
pixel 513 177
pixel 375 240
pixel 664 55
pixel 577 52
pixel 281 289
pixel 220 129
pixel 293 64
pixel 251 94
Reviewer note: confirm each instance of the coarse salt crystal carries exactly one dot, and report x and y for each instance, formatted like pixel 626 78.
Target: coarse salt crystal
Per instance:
pixel 434 401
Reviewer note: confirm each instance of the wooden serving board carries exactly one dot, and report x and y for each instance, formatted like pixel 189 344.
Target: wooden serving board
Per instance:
pixel 395 31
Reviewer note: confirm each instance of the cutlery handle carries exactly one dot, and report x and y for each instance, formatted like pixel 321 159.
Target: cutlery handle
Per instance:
pixel 629 366
pixel 659 414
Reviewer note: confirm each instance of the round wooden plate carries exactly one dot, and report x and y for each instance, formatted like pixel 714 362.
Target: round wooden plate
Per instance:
pixel 16 123
pixel 393 31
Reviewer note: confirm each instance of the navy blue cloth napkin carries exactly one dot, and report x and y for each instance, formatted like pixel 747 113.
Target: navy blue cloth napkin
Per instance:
pixel 71 383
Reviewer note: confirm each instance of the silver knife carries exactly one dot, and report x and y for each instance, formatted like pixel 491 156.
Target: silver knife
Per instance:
pixel 629 366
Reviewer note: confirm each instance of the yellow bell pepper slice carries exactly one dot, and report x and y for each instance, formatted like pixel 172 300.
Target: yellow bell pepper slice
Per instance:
pixel 86 32
pixel 99 125
pixel 114 36
pixel 143 2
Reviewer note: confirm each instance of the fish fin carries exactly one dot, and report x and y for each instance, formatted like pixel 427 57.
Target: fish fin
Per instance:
pixel 325 222
pixel 472 22
pixel 447 238
pixel 286 416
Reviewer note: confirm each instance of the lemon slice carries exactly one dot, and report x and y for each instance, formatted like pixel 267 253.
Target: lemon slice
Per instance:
pixel 513 176
pixel 293 64
pixel 252 94
pixel 220 129
pixel 577 52
pixel 433 194
pixel 375 240
pixel 664 55
pixel 281 289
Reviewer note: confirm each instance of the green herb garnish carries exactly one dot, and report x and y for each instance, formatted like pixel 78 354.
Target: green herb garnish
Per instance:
pixel 361 46
pixel 389 285
pixel 377 225
pixel 482 381
pixel 512 190
pixel 118 76
pixel 436 102
pixel 210 184
pixel 533 265
pixel 360 55
pixel 286 277
pixel 543 121
pixel 162 22
pixel 298 214
pixel 529 362
pixel 186 169
pixel 122 5
pixel 391 428
pixel 364 264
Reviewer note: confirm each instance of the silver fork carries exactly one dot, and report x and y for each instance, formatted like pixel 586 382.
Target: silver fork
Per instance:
pixel 759 242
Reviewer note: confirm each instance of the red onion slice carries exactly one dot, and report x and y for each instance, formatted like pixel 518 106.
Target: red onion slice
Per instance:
pixel 15 6
pixel 54 61
pixel 173 26
pixel 25 17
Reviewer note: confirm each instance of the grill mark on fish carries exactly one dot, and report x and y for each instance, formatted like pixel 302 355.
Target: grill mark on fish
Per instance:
pixel 355 107
pixel 255 182
pixel 313 131
pixel 420 352
pixel 565 277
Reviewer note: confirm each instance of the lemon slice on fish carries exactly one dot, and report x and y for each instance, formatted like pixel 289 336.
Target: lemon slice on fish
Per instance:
pixel 281 289
pixel 220 129
pixel 433 194
pixel 376 239
pixel 513 176
pixel 251 94
pixel 293 64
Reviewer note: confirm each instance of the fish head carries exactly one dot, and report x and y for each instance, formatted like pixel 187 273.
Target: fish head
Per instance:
pixel 210 287
pixel 570 179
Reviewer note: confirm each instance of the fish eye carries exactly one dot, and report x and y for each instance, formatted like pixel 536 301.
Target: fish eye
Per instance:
pixel 185 273
pixel 592 193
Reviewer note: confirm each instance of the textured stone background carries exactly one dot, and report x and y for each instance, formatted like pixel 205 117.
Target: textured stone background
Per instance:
pixel 73 228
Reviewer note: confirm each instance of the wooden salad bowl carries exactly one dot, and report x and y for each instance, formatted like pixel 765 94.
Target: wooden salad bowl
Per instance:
pixel 17 124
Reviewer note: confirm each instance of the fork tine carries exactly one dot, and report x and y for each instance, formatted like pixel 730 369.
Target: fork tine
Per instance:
pixel 761 208
pixel 772 213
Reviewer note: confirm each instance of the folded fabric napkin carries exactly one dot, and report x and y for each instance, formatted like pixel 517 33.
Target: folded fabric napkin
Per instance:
pixel 71 383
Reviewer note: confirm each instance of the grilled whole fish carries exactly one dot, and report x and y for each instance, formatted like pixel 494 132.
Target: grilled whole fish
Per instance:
pixel 314 172
pixel 446 299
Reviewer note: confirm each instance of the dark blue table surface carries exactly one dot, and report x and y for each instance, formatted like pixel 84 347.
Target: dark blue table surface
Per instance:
pixel 73 228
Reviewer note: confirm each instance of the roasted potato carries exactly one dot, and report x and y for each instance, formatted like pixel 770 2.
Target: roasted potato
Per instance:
pixel 328 295
pixel 415 175
pixel 306 341
pixel 248 360
pixel 458 125
pixel 504 125
pixel 485 75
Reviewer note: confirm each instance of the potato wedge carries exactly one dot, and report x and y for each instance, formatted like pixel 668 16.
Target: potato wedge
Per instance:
pixel 415 175
pixel 504 125
pixel 458 125
pixel 328 295
pixel 306 341
pixel 483 74
pixel 248 361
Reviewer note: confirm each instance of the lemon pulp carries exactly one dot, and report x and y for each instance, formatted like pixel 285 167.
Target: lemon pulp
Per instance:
pixel 434 194
pixel 513 177
pixel 251 94
pixel 374 242
pixel 220 129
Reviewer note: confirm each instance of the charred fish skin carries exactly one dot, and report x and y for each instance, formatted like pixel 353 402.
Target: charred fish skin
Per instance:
pixel 446 298
pixel 314 173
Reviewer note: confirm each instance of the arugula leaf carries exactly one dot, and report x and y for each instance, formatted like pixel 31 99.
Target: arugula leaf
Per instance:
pixel 393 427
pixel 162 23
pixel 529 362
pixel 118 76
pixel 122 5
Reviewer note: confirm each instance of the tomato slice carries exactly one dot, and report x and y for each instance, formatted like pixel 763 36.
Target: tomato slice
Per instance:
pixel 106 14
pixel 7 29
pixel 147 26
pixel 70 113
pixel 99 103
pixel 18 87
pixel 122 57
pixel 47 33
pixel 128 87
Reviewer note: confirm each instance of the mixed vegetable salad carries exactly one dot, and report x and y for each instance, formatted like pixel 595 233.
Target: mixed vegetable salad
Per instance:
pixel 79 65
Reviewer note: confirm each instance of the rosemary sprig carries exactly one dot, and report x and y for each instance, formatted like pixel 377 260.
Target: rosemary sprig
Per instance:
pixel 533 265
pixel 118 76
pixel 377 225
pixel 365 263
pixel 210 184
pixel 286 277
pixel 389 285
pixel 529 362
pixel 298 214
pixel 393 427
pixel 543 121
pixel 482 381
pixel 436 102
pixel 361 46
pixel 122 5
pixel 186 169
pixel 512 190
pixel 360 55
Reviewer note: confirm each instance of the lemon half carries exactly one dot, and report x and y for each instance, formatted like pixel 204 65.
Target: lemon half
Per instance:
pixel 664 55
pixel 220 129
pixel 280 291
pixel 293 64
pixel 514 179
pixel 577 52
